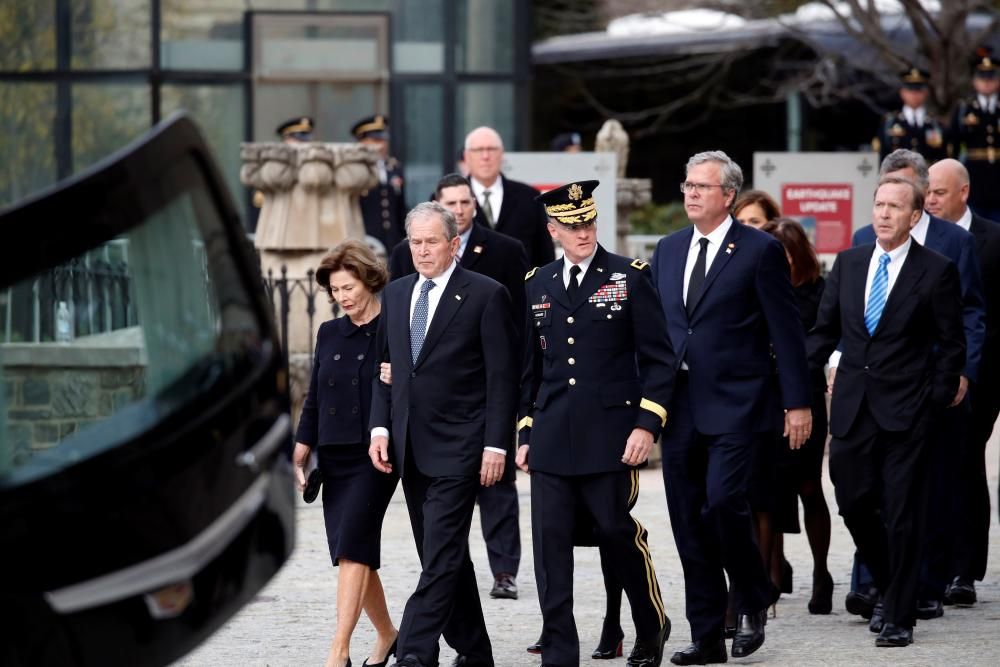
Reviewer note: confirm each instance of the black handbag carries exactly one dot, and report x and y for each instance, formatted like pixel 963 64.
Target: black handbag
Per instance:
pixel 313 484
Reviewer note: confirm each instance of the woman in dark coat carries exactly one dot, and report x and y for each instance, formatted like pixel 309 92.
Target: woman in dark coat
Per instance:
pixel 334 423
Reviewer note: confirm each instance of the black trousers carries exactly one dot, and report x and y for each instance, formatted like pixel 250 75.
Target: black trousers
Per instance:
pixel 607 498
pixel 706 479
pixel 446 599
pixel 498 513
pixel 879 480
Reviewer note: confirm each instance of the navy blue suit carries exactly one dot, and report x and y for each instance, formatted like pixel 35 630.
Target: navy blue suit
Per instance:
pixel 947 430
pixel 720 407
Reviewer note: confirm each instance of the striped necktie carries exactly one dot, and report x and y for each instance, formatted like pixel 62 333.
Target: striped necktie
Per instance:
pixel 418 325
pixel 878 294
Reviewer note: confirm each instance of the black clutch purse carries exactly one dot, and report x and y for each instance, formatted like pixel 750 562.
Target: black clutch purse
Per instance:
pixel 312 486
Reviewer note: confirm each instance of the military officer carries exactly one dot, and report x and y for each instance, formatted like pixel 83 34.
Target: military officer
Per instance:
pixel 598 373
pixel 977 126
pixel 384 206
pixel 912 127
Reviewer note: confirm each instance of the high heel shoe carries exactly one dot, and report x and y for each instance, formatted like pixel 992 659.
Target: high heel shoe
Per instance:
pixel 775 596
pixel 611 644
pixel 822 597
pixel 786 576
pixel 385 659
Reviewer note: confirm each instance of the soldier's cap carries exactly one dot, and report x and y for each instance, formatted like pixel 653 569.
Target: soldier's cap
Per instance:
pixel 571 204
pixel 371 127
pixel 914 78
pixel 985 65
pixel 565 140
pixel 300 127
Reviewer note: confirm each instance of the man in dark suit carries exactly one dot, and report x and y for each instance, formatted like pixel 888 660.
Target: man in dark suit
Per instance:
pixel 895 308
pixel 383 207
pixel 969 523
pixel 505 205
pixel 501 258
pixel 728 300
pixel 947 430
pixel 448 335
pixel 598 375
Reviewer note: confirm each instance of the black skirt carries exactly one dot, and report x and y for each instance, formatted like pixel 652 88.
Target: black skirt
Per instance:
pixel 355 498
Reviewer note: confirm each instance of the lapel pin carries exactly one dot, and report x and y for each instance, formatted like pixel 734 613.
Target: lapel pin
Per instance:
pixel 729 250
pixel 478 249
pixel 458 298
pixel 599 269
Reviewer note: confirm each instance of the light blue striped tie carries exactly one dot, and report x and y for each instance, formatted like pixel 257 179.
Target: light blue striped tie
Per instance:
pixel 418 325
pixel 878 294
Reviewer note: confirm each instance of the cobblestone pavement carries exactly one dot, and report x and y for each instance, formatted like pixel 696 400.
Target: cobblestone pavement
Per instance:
pixel 292 619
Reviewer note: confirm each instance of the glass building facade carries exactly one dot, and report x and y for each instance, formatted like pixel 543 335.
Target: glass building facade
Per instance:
pixel 80 78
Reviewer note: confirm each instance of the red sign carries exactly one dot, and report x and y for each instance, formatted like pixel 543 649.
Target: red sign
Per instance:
pixel 824 209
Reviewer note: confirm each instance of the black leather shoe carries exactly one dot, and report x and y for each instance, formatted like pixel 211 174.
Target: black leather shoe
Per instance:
pixel 960 591
pixel 822 597
pixel 861 603
pixel 702 653
pixel 749 634
pixel 611 644
pixel 504 586
pixel 465 661
pixel 894 635
pixel 536 648
pixel 649 653
pixel 928 609
pixel 385 660
pixel 877 622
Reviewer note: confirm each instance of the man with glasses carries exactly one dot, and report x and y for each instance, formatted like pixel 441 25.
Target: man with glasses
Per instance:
pixel 728 301
pixel 505 205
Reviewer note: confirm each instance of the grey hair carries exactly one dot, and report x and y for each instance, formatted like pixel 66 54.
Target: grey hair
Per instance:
pixel 429 208
pixel 732 175
pixel 901 158
pixel 488 130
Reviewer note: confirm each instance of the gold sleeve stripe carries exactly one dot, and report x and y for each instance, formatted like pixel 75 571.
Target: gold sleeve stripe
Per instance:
pixel 525 422
pixel 656 409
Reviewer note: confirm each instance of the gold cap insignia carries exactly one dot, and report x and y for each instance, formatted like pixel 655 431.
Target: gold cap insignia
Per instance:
pixel 575 192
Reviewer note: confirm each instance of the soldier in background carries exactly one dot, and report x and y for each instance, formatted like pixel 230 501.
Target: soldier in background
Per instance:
pixel 384 206
pixel 567 142
pixel 977 127
pixel 912 127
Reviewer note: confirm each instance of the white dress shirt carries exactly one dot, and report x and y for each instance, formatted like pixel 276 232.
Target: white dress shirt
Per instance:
pixel 714 244
pixel 919 231
pixel 433 299
pixel 988 103
pixel 914 116
pixel 496 195
pixel 965 222
pixel 463 240
pixel 584 265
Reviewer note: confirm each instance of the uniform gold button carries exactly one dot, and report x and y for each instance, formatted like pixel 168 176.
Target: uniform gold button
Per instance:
pixel 572 361
pixel 572 381
pixel 570 340
pixel 609 316
pixel 628 402
pixel 570 319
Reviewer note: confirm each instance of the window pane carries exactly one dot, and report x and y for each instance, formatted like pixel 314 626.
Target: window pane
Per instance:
pixel 321 46
pixel 30 28
pixel 27 121
pixel 485 36
pixel 105 118
pixel 206 35
pixel 275 103
pixel 485 104
pixel 218 110
pixel 110 34
pixel 129 332
pixel 424 104
pixel 418 36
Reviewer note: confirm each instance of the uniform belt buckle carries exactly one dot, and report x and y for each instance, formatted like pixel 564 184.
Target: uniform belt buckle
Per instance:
pixel 991 154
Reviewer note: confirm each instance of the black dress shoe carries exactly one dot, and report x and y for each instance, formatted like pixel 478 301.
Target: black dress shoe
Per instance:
pixel 702 653
pixel 960 591
pixel 894 635
pixel 504 586
pixel 536 648
pixel 822 597
pixel 749 634
pixel 649 652
pixel 877 622
pixel 928 609
pixel 466 661
pixel 861 603
pixel 611 644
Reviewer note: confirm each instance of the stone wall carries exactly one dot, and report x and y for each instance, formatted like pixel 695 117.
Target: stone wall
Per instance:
pixel 53 389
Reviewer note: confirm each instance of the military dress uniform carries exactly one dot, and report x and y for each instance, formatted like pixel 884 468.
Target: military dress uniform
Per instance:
pixel 597 366
pixel 383 207
pixel 920 132
pixel 977 127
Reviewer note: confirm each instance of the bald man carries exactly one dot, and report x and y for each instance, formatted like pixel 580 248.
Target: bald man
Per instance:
pixel 947 198
pixel 505 205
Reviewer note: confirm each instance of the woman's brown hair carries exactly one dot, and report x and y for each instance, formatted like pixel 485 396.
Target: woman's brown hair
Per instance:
pixel 762 199
pixel 356 258
pixel 804 263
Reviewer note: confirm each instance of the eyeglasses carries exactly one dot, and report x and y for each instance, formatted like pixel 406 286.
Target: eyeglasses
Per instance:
pixel 485 149
pixel 700 188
